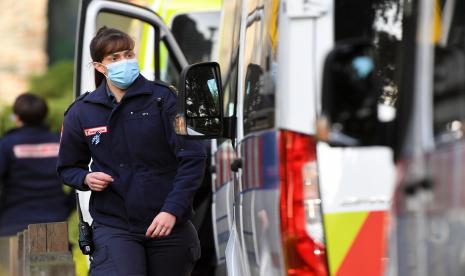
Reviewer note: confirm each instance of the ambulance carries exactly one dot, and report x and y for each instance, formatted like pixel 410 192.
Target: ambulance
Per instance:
pixel 428 213
pixel 289 198
pixel 426 137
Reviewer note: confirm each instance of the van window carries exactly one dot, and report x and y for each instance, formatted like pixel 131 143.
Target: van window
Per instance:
pixel 228 53
pixel 169 72
pixel 196 34
pixel 260 66
pixel 449 72
pixel 380 22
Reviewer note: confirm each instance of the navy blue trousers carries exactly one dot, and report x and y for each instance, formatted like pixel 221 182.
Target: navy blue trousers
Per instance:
pixel 119 252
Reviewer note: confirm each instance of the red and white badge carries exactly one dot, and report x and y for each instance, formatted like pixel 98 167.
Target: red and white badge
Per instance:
pixel 92 131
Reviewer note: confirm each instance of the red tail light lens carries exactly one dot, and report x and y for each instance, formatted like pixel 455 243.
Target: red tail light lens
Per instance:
pixel 301 227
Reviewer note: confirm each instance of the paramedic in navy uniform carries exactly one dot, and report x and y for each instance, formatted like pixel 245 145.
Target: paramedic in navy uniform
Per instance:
pixel 30 191
pixel 143 176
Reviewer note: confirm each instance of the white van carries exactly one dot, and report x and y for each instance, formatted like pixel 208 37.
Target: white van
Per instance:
pixel 284 202
pixel 428 210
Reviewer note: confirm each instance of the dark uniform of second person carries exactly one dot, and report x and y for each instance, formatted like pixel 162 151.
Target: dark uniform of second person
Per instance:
pixel 30 191
pixel 142 176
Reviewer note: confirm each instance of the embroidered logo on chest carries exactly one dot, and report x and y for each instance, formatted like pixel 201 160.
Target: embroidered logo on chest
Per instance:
pixel 96 138
pixel 94 130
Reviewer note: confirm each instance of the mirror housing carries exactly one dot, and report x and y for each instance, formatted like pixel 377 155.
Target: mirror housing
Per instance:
pixel 350 96
pixel 200 102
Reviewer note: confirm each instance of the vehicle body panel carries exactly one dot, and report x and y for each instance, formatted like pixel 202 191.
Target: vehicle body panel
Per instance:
pixel 298 42
pixel 259 194
pixel 223 198
pixel 358 206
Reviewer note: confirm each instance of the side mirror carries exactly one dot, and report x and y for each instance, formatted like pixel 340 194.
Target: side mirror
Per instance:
pixel 200 102
pixel 351 92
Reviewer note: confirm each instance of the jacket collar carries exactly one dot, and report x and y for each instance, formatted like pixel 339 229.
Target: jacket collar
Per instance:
pixel 29 128
pixel 139 87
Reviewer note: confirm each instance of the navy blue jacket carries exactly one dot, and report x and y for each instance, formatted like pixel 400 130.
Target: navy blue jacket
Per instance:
pixel 153 168
pixel 30 191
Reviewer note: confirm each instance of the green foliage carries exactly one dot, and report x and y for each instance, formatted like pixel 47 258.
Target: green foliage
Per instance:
pixel 6 121
pixel 57 81
pixel 56 86
pixel 57 108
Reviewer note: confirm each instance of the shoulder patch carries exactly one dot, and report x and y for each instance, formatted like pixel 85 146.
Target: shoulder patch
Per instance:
pixel 174 90
pixel 80 98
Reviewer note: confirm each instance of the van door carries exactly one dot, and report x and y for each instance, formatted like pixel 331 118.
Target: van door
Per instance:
pixel 148 31
pixel 223 150
pixel 257 200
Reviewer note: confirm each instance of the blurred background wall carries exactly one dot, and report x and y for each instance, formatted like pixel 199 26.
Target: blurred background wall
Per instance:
pixel 23 32
pixel 34 35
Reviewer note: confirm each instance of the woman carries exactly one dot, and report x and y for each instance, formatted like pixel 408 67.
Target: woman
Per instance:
pixel 143 176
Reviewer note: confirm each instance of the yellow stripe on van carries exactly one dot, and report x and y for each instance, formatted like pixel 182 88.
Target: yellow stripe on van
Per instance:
pixel 436 22
pixel 341 230
pixel 273 25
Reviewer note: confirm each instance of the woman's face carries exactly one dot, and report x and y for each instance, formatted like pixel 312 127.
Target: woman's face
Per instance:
pixel 113 57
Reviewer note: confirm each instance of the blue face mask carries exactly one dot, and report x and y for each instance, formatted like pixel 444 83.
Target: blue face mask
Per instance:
pixel 123 73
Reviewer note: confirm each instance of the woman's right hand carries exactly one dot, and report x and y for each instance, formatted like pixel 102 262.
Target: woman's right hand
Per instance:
pixel 97 181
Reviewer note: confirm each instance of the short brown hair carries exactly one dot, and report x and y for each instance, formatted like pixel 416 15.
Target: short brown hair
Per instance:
pixel 108 41
pixel 31 109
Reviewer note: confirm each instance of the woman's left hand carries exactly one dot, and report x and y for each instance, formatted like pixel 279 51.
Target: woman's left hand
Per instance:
pixel 161 225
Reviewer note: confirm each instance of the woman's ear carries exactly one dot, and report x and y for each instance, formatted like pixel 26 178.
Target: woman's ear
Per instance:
pixel 100 67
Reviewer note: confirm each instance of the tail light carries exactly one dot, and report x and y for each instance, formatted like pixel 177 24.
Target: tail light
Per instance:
pixel 301 222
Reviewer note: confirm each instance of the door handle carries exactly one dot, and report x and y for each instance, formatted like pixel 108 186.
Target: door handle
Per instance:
pixel 412 188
